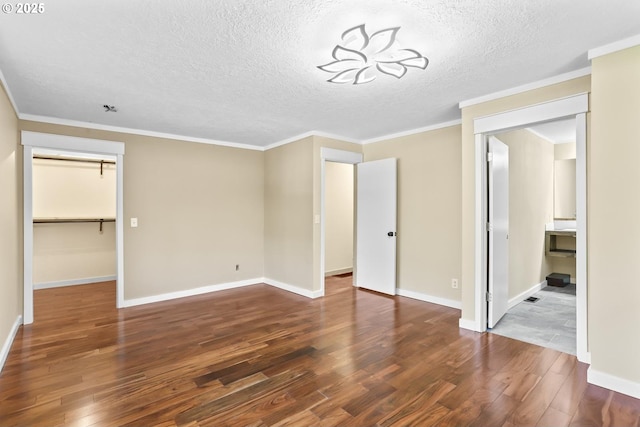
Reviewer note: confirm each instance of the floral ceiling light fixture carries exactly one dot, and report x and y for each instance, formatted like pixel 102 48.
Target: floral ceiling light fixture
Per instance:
pixel 361 57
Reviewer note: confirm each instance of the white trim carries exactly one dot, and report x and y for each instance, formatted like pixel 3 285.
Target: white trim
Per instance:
pixel 190 292
pixel 307 135
pixel 480 250
pixel 119 231
pixel 413 131
pixel 339 271
pixel 537 113
pixel 110 128
pixel 526 294
pixel 71 143
pixel 340 156
pixel 27 230
pixel 429 298
pixel 6 347
pixel 582 278
pixel 621 385
pixel 9 94
pixel 502 121
pixel 292 288
pixel 469 325
pixel 63 143
pixel 614 47
pixel 73 282
pixel 527 87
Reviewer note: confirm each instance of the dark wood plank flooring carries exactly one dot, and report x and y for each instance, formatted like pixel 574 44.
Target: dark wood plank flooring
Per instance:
pixel 259 356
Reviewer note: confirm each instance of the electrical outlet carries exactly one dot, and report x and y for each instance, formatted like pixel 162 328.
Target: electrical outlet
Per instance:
pixel 237 267
pixel 454 283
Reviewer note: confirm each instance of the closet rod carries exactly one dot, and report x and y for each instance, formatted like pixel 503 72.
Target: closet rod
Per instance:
pixel 75 159
pixel 72 220
pixel 60 220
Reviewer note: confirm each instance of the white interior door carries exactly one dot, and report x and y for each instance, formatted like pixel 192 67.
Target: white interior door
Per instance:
pixel 376 226
pixel 498 283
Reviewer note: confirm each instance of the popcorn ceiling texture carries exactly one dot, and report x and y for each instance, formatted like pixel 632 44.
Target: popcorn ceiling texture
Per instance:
pixel 244 71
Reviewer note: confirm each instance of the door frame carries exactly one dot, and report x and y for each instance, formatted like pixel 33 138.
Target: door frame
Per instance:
pixel 70 144
pixel 337 156
pixel 573 106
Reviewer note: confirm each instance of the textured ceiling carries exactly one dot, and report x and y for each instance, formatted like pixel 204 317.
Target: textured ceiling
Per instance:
pixel 245 71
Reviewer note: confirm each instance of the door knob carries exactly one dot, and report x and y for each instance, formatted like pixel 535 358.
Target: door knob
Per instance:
pixel 391 234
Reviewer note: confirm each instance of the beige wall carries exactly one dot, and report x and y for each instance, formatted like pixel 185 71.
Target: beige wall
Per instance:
pixel 72 252
pixel 339 219
pixel 614 212
pixel 565 151
pixel 530 208
pixel 199 207
pixel 64 252
pixel 548 93
pixel 68 190
pixel 10 218
pixel 288 214
pixel 428 209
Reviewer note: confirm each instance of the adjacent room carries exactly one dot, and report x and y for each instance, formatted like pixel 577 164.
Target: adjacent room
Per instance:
pixel 541 257
pixel 319 213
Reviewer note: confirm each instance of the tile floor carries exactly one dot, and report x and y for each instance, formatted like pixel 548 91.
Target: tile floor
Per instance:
pixel 548 322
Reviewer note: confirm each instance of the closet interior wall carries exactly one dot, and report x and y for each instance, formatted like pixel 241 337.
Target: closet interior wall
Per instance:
pixel 75 252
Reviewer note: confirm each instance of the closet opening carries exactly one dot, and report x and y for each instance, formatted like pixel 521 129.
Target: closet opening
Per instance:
pixel 73 211
pixel 74 233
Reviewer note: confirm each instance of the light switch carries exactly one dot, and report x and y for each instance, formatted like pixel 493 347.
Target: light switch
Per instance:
pixel 316 219
pixel 134 222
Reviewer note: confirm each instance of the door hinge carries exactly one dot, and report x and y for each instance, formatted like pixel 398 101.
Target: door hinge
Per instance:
pixel 489 157
pixel 489 226
pixel 489 297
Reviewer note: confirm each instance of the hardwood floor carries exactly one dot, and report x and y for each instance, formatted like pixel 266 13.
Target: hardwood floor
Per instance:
pixel 259 356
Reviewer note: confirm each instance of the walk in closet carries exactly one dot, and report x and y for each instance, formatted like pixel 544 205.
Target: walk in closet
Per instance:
pixel 74 210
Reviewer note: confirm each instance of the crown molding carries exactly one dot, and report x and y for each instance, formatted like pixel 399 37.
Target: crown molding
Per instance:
pixel 8 91
pixel 614 47
pixel 527 87
pixel 308 134
pixel 142 132
pixel 413 131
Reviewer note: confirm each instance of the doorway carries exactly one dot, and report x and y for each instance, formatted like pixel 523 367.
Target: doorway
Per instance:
pixel 532 308
pixel 339 222
pixel 574 106
pixel 331 156
pixel 60 144
pixel 375 240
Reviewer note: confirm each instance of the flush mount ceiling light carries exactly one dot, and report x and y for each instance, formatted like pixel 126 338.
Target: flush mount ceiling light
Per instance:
pixel 110 108
pixel 361 57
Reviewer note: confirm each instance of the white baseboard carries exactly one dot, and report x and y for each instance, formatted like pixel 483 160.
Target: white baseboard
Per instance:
pixel 73 282
pixel 6 347
pixel 339 271
pixel 614 383
pixel 291 288
pixel 429 298
pixel 469 325
pixel 526 294
pixel 190 292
